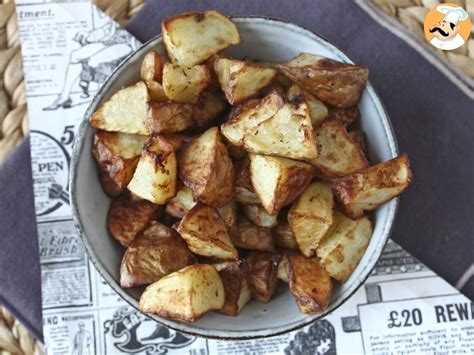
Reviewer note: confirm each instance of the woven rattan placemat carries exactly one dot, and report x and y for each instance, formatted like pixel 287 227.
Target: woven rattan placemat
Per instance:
pixel 15 338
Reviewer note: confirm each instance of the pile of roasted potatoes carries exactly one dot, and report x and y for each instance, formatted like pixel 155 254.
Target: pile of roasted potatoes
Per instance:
pixel 229 175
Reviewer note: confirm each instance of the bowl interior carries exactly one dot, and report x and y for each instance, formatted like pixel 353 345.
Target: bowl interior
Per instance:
pixel 264 39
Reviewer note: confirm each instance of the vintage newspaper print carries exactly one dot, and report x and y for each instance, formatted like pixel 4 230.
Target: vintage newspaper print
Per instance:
pixel 69 48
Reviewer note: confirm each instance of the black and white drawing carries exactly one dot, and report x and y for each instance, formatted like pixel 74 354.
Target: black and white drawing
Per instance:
pixel 319 338
pixel 82 341
pixel 101 49
pixel 131 332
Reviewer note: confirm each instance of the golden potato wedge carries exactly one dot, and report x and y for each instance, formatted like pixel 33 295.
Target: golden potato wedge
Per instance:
pixel 338 84
pixel 368 189
pixel 185 84
pixel 169 117
pixel 279 77
pixel 317 110
pixel 259 216
pixel 228 214
pixel 154 253
pixel 252 237
pixel 237 293
pixel 192 38
pixel 127 218
pixel 156 173
pixel 152 67
pixel 205 167
pixel 245 117
pixel 185 295
pixel 338 154
pixel 262 278
pixel 117 156
pixel 345 115
pixel 156 91
pixel 244 191
pixel 282 272
pixel 206 234
pixel 311 216
pixel 210 105
pixel 278 181
pixel 124 112
pixel 240 80
pixel 309 283
pixel 288 133
pixel 344 245
pixel 358 137
pixel 283 236
pixel 179 205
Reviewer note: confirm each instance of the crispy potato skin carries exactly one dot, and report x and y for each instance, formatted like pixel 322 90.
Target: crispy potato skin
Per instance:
pixel 358 137
pixel 206 168
pixel 181 43
pixel 152 67
pixel 320 76
pixel 155 252
pixel 234 277
pixel 244 191
pixel 169 117
pixel 127 218
pixel 116 167
pixel 210 105
pixel 309 283
pixel 252 237
pixel 284 237
pixel 345 115
pixel 206 233
pixel 338 155
pixel 185 295
pixel 262 279
pixel 368 189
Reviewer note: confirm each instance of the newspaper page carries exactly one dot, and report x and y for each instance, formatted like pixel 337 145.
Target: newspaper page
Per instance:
pixel 69 48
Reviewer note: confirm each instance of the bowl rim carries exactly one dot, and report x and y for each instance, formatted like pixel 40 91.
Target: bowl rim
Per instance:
pixel 186 328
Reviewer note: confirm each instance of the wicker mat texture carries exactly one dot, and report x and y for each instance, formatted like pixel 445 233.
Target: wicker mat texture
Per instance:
pixel 14 337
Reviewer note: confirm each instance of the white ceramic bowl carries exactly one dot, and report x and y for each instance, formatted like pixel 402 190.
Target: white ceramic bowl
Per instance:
pixel 264 39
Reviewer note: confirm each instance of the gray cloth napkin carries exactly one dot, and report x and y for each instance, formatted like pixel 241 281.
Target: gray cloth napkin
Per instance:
pixel 433 121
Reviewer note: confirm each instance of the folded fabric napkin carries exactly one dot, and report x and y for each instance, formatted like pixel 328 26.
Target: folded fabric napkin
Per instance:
pixel 432 119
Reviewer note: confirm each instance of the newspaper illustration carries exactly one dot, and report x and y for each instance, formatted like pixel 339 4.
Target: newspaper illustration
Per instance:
pixel 69 48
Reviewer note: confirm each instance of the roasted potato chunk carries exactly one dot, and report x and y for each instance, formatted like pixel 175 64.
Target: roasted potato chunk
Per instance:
pixel 124 112
pixel 192 38
pixel 344 245
pixel 278 181
pixel 169 117
pixel 259 216
pixel 245 117
pixel 346 115
pixel 156 173
pixel 127 218
pixel 152 67
pixel 206 234
pixel 179 205
pixel 237 293
pixel 117 156
pixel 156 91
pixel 241 79
pixel 210 105
pixel 185 84
pixel 338 154
pixel 244 191
pixel 262 279
pixel 205 167
pixel 279 77
pixel 368 189
pixel 309 283
pixel 289 133
pixel 154 253
pixel 338 84
pixel 252 237
pixel 185 295
pixel 317 110
pixel 311 216
pixel 358 137
pixel 282 272
pixel 283 236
